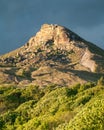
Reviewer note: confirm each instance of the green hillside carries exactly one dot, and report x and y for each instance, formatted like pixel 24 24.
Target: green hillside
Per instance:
pixel 80 107
pixel 53 82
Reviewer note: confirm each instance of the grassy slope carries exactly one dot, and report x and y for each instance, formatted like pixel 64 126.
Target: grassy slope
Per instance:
pixel 77 108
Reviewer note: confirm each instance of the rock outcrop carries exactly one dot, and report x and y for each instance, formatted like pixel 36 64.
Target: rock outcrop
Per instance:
pixel 61 38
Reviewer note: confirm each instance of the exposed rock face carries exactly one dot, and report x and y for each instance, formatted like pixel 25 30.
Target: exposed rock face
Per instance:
pixel 50 32
pixel 87 60
pixel 55 55
pixel 54 33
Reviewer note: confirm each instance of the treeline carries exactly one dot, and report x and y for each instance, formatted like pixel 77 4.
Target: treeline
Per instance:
pixel 53 107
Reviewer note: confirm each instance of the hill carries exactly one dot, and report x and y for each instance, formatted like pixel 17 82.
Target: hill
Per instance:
pixel 53 53
pixel 54 82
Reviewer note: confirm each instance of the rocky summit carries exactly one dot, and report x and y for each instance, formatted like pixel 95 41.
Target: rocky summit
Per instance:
pixel 55 55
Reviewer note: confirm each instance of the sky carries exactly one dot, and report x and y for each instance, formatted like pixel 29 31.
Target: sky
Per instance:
pixel 21 19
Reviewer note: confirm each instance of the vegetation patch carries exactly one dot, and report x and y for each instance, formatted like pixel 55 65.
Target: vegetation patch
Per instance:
pixel 52 107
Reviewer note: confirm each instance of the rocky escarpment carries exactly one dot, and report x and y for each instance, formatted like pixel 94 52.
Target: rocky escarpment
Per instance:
pixel 59 51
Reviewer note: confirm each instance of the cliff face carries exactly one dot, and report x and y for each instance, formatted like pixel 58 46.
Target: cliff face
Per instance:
pixel 54 55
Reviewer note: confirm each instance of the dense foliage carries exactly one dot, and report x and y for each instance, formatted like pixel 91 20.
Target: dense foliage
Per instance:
pixel 80 107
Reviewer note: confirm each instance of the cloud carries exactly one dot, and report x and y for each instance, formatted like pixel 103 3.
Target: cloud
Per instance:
pixel 95 35
pixel 21 19
pixel 78 13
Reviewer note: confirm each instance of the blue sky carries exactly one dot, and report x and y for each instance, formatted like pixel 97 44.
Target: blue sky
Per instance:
pixel 21 19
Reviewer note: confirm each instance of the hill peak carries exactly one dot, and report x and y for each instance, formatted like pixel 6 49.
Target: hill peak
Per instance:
pixel 53 32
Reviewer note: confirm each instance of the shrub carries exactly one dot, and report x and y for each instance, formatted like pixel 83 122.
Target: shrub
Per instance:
pixel 101 81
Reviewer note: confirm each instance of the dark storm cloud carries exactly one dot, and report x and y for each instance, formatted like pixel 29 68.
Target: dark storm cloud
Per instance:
pixel 20 19
pixel 90 13
pixel 85 13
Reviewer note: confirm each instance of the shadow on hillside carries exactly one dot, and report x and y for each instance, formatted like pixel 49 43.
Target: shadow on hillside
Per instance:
pixel 85 75
pixel 88 76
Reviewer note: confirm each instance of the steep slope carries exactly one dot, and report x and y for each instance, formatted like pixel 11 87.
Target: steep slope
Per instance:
pixel 55 55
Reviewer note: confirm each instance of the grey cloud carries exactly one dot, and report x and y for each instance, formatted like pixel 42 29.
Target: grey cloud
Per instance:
pixel 95 35
pixel 20 19
pixel 85 14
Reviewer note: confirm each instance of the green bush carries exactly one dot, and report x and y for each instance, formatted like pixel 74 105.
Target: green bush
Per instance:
pixel 80 107
pixel 101 81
